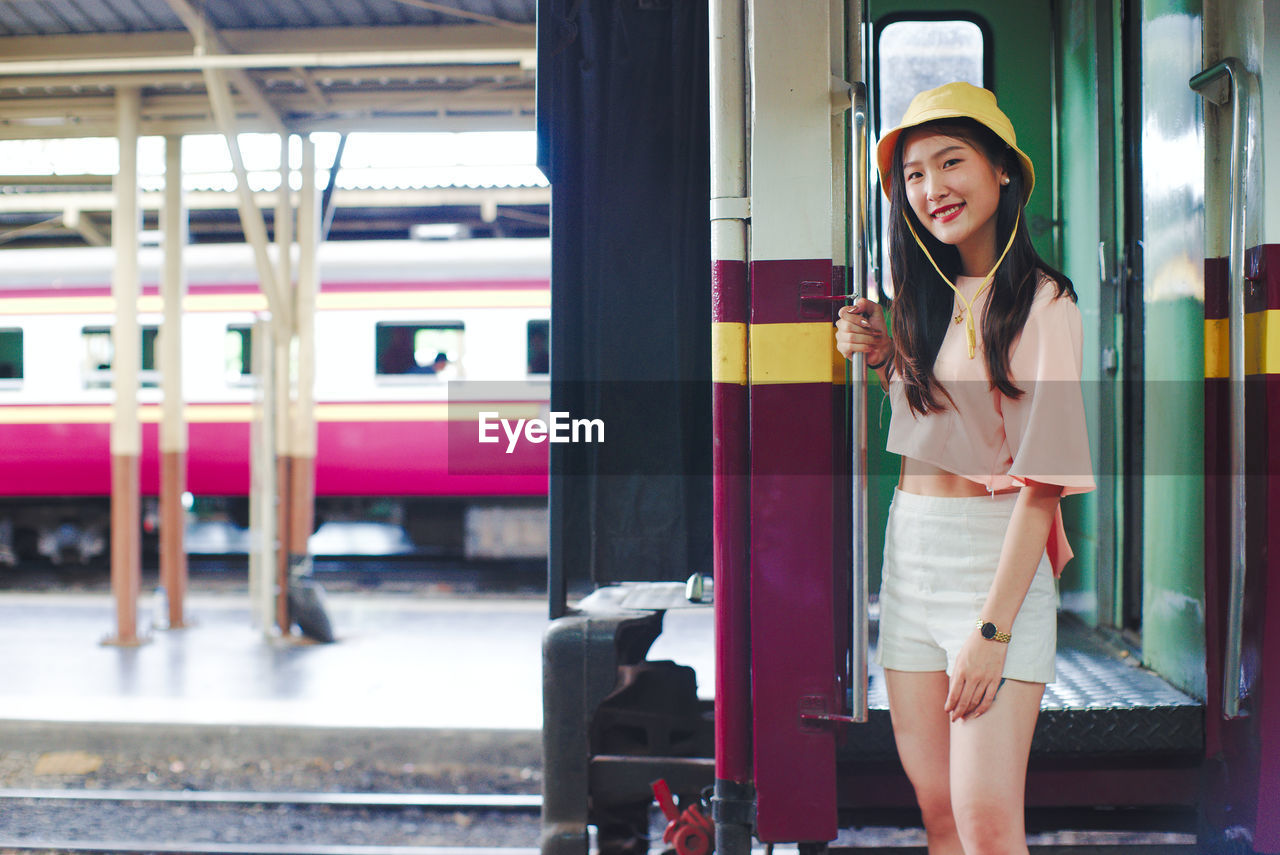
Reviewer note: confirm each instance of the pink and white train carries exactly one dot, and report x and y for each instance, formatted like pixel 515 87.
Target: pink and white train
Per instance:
pixel 386 313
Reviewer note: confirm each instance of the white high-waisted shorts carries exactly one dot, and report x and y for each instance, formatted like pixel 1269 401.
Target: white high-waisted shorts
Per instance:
pixel 940 555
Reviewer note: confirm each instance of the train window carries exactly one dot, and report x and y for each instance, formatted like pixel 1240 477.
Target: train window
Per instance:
pixel 10 356
pixel 538 337
pixel 919 52
pixel 239 352
pixel 417 349
pixel 149 335
pixel 99 353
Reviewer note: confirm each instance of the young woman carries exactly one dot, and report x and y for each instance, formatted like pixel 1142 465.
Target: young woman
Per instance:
pixel 983 373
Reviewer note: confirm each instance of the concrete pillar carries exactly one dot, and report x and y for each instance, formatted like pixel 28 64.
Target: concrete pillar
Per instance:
pixel 303 421
pixel 282 325
pixel 263 580
pixel 126 431
pixel 173 425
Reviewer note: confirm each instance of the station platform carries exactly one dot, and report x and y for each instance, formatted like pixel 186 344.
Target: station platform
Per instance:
pixel 422 692
pixel 406 661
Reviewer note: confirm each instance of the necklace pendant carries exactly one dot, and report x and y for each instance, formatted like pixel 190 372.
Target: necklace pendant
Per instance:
pixel 959 317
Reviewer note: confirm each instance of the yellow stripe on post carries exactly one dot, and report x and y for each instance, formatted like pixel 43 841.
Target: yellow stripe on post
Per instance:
pixel 729 353
pixel 1217 362
pixel 795 353
pixel 1262 345
pixel 1268 333
pixel 1254 343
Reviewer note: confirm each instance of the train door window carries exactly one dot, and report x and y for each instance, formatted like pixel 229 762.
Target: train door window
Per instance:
pixel 915 52
pixel 10 358
pixel 417 350
pixel 538 348
pixel 99 353
pixel 238 362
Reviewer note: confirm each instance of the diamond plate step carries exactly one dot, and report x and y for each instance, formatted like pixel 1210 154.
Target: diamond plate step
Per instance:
pixel 1103 703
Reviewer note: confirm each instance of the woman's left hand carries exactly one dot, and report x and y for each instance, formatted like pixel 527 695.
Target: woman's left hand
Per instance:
pixel 975 677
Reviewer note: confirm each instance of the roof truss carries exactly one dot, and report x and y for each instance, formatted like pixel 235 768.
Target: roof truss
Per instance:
pixel 464 77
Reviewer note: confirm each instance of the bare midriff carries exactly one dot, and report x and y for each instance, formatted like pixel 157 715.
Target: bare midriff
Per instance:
pixel 925 479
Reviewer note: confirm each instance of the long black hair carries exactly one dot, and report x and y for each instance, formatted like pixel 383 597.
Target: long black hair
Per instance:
pixel 922 304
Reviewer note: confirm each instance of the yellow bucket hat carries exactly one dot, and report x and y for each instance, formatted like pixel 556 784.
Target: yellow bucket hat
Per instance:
pixel 951 101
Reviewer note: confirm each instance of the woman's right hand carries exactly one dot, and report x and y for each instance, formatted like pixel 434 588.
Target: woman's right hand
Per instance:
pixel 861 329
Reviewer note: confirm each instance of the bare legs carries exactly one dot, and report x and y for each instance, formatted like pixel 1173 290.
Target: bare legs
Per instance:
pixel 970 776
pixel 921 730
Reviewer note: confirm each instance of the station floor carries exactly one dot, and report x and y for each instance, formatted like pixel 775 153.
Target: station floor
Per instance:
pixel 401 661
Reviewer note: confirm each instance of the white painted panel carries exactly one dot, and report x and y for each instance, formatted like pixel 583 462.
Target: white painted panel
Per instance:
pixel 495 346
pixel 791 179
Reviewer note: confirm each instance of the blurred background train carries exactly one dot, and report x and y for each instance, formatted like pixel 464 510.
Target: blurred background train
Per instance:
pixel 386 483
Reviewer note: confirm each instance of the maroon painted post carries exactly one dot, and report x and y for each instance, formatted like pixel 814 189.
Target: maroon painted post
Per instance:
pixel 794 496
pixel 1242 778
pixel 796 492
pixel 731 509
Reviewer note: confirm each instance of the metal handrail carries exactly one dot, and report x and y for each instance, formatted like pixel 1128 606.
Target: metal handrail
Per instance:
pixel 858 707
pixel 1212 84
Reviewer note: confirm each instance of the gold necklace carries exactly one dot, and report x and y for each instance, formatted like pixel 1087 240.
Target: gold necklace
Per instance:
pixel 966 313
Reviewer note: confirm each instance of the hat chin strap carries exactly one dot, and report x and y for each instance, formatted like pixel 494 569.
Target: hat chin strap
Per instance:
pixel 966 314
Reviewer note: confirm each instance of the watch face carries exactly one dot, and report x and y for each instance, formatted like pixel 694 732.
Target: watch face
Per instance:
pixel 988 630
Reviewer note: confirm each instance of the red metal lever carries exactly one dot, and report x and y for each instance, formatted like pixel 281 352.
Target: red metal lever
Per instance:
pixel 690 832
pixel 662 793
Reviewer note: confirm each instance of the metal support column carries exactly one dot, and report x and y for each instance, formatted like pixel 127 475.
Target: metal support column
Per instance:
pixel 733 803
pixel 173 426
pixel 126 431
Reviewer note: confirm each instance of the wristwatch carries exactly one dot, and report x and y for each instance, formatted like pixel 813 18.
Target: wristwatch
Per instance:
pixel 991 632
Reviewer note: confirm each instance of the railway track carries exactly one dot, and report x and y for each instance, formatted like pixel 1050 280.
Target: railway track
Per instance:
pixel 142 848
pixel 285 809
pixel 205 823
pixel 426 801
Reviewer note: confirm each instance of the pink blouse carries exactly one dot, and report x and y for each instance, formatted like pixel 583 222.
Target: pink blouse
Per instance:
pixel 995 440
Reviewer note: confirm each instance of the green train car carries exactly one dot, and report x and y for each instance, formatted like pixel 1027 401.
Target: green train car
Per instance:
pixel 1151 124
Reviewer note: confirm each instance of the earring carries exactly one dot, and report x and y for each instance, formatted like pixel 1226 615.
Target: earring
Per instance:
pixel 1004 180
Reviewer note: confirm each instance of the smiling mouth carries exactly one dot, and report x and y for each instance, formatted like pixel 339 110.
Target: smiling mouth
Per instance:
pixel 947 214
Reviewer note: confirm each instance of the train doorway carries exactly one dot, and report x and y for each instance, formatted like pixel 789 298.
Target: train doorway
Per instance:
pixel 1072 78
pixel 1077 79
pixel 1153 147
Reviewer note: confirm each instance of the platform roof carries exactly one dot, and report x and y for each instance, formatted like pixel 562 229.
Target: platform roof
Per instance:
pixel 55 17
pixel 295 66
